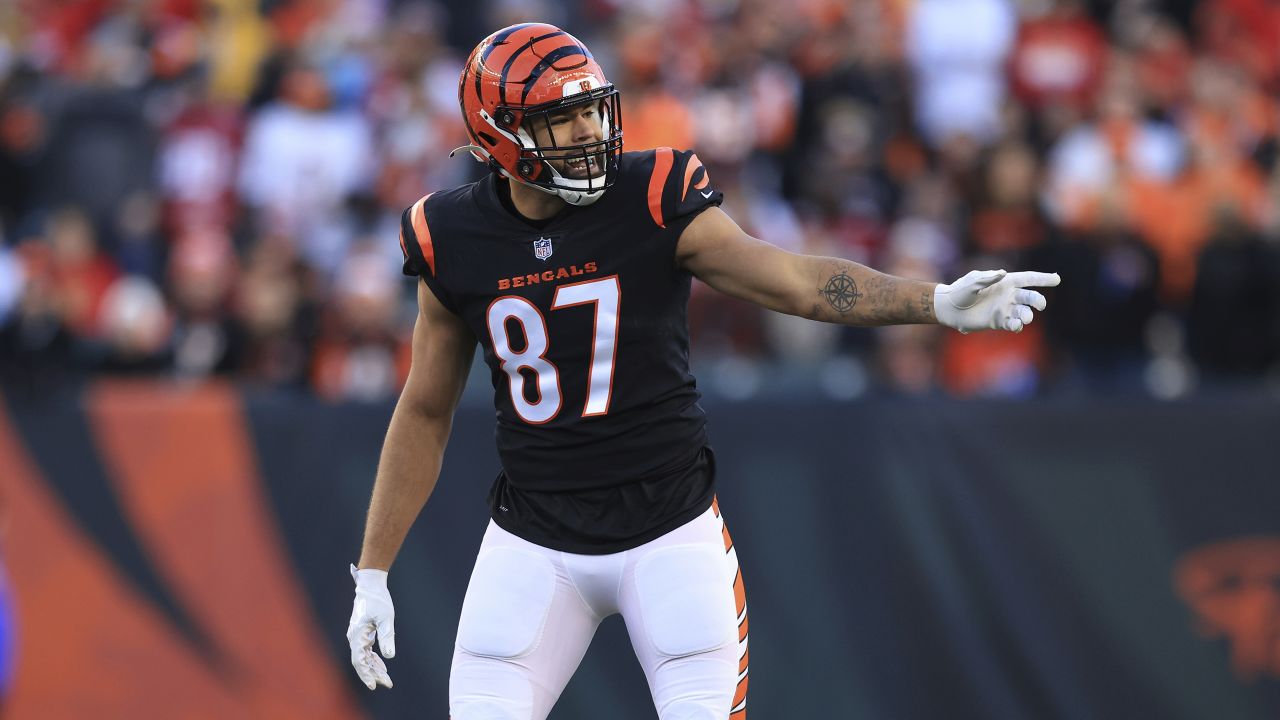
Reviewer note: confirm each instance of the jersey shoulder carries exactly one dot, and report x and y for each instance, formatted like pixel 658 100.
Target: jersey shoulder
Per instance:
pixel 428 222
pixel 427 227
pixel 674 182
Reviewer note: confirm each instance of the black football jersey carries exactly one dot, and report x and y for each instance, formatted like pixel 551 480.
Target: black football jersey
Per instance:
pixel 583 325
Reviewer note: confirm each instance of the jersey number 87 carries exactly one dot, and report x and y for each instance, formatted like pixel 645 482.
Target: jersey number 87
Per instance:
pixel 606 295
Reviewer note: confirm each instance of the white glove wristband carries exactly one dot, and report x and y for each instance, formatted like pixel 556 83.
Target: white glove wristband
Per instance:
pixel 370 579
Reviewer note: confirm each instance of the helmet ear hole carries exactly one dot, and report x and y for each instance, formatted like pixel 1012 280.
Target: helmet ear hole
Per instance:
pixel 488 138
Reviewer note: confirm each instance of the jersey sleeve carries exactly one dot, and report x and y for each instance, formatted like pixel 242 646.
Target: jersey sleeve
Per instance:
pixel 679 187
pixel 419 250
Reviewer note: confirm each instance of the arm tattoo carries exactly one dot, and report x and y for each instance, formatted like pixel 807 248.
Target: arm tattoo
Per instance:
pixel 926 305
pixel 841 292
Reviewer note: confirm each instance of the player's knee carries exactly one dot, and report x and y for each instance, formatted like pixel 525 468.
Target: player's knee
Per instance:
pixel 686 600
pixel 507 603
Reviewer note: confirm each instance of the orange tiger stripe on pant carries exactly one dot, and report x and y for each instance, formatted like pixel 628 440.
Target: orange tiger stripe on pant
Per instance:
pixel 738 709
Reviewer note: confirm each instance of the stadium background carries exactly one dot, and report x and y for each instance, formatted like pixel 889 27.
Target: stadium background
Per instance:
pixel 203 328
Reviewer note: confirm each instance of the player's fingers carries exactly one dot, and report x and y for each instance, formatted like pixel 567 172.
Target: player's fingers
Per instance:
pixel 365 673
pixel 1023 313
pixel 1028 278
pixel 1013 324
pixel 364 668
pixel 1023 296
pixel 379 669
pixel 387 637
pixel 359 636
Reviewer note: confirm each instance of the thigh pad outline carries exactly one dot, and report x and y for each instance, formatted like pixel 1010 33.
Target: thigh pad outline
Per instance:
pixel 686 600
pixel 507 603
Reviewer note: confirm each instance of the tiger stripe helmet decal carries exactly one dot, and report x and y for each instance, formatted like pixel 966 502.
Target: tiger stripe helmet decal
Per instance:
pixel 516 78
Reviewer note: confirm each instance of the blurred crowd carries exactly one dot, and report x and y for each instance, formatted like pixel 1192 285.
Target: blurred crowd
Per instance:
pixel 195 188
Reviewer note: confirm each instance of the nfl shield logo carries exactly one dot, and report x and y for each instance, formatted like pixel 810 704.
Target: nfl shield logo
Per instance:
pixel 542 248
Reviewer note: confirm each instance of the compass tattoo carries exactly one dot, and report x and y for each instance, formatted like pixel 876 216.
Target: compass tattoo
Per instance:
pixel 841 292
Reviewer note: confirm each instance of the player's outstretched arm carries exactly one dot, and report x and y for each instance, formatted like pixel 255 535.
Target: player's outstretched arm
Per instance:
pixel 407 471
pixel 835 290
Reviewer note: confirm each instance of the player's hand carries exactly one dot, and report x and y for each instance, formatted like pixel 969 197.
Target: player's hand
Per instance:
pixel 991 300
pixel 373 614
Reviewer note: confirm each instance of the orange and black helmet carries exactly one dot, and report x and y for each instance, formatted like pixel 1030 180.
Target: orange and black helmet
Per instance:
pixel 519 76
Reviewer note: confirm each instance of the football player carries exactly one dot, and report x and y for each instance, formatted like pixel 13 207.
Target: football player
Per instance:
pixel 570 264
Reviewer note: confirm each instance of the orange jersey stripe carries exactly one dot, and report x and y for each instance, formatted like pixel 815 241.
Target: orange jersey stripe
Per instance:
pixel 662 160
pixel 694 164
pixel 744 662
pixel 715 506
pixel 739 592
pixel 418 218
pixel 728 541
pixel 742 629
pixel 741 694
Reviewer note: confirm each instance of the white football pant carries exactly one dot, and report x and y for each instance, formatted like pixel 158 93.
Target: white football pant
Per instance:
pixel 530 613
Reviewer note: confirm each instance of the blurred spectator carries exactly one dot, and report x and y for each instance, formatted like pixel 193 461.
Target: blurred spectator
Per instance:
pixel 993 365
pixel 1164 63
pixel 12 281
pixel 958 50
pixel 302 158
pixel 140 247
pixel 193 188
pixel 1096 158
pixel 360 354
pixel 22 130
pixel 271 306
pixel 1008 221
pixel 1177 217
pixel 1244 33
pixel 1056 67
pixel 1233 325
pixel 197 166
pixel 37 348
pixel 1100 318
pixel 81 271
pixel 99 129
pixel 135 329
pixel 207 340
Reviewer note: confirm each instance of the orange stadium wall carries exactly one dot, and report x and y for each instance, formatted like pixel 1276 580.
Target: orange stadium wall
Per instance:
pixel 181 552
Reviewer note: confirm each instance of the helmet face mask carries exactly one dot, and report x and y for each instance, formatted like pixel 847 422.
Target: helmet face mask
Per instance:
pixel 583 167
pixel 515 85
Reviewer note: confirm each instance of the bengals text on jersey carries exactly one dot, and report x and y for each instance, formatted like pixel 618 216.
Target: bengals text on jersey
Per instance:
pixel 582 321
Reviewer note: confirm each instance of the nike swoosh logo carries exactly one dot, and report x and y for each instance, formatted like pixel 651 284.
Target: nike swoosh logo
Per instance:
pixel 708 194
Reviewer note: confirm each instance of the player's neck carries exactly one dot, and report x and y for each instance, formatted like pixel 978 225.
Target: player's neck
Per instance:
pixel 532 203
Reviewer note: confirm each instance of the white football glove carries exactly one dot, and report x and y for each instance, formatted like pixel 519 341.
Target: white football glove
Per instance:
pixel 373 613
pixel 991 300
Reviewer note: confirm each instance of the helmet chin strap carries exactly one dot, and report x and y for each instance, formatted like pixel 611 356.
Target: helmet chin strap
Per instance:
pixel 577 198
